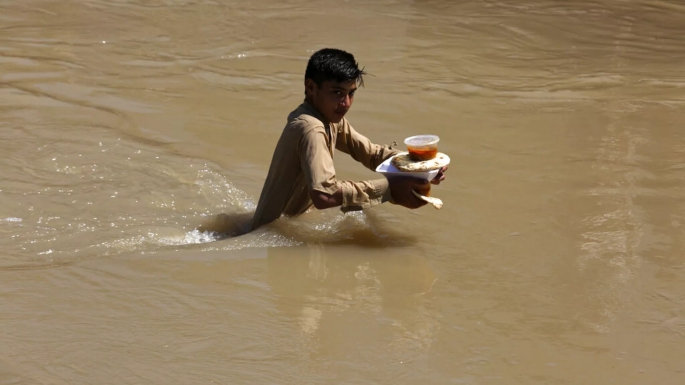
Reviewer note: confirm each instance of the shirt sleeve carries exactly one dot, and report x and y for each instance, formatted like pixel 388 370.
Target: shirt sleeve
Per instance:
pixel 316 162
pixel 319 173
pixel 360 147
pixel 362 195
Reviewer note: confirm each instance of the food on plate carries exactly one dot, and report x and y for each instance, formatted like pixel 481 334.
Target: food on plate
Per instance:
pixel 421 161
pixel 403 162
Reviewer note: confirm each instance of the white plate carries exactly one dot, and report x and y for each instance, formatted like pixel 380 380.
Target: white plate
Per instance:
pixel 386 168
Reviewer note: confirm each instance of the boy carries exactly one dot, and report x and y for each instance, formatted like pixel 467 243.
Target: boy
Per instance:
pixel 302 172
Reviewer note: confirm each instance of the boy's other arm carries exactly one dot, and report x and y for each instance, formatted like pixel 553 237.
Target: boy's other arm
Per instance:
pixel 361 149
pixel 400 191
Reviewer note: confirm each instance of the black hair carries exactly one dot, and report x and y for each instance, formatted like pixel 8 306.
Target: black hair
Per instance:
pixel 333 64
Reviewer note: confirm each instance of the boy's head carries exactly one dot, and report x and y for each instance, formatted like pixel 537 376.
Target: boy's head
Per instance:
pixel 330 81
pixel 333 64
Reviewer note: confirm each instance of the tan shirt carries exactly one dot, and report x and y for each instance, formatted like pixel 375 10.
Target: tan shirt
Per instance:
pixel 303 161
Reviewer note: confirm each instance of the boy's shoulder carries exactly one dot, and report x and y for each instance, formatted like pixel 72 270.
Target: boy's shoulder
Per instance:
pixel 301 119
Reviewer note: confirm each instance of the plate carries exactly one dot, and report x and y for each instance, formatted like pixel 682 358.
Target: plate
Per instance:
pixel 386 168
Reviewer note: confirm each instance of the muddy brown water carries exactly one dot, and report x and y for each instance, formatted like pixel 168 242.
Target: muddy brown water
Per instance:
pixel 557 258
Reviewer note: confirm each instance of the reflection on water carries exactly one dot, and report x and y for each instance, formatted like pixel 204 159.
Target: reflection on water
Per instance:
pixel 325 288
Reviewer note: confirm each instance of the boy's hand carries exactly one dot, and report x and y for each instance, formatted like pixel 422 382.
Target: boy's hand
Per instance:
pixel 401 190
pixel 440 177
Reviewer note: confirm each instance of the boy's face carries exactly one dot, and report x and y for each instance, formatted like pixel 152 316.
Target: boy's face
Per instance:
pixel 333 99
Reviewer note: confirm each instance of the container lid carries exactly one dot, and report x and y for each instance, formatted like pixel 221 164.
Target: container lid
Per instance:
pixel 422 140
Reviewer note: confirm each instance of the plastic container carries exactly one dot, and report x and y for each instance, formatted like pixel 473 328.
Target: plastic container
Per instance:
pixel 422 147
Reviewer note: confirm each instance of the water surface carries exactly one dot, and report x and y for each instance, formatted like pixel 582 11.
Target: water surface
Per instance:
pixel 124 125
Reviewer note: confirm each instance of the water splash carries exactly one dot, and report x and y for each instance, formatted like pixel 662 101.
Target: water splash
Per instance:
pixel 222 193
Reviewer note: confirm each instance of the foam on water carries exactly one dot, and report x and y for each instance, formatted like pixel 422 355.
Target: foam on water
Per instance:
pixel 189 238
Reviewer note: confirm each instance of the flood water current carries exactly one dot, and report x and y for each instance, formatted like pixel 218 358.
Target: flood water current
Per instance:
pixel 556 259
